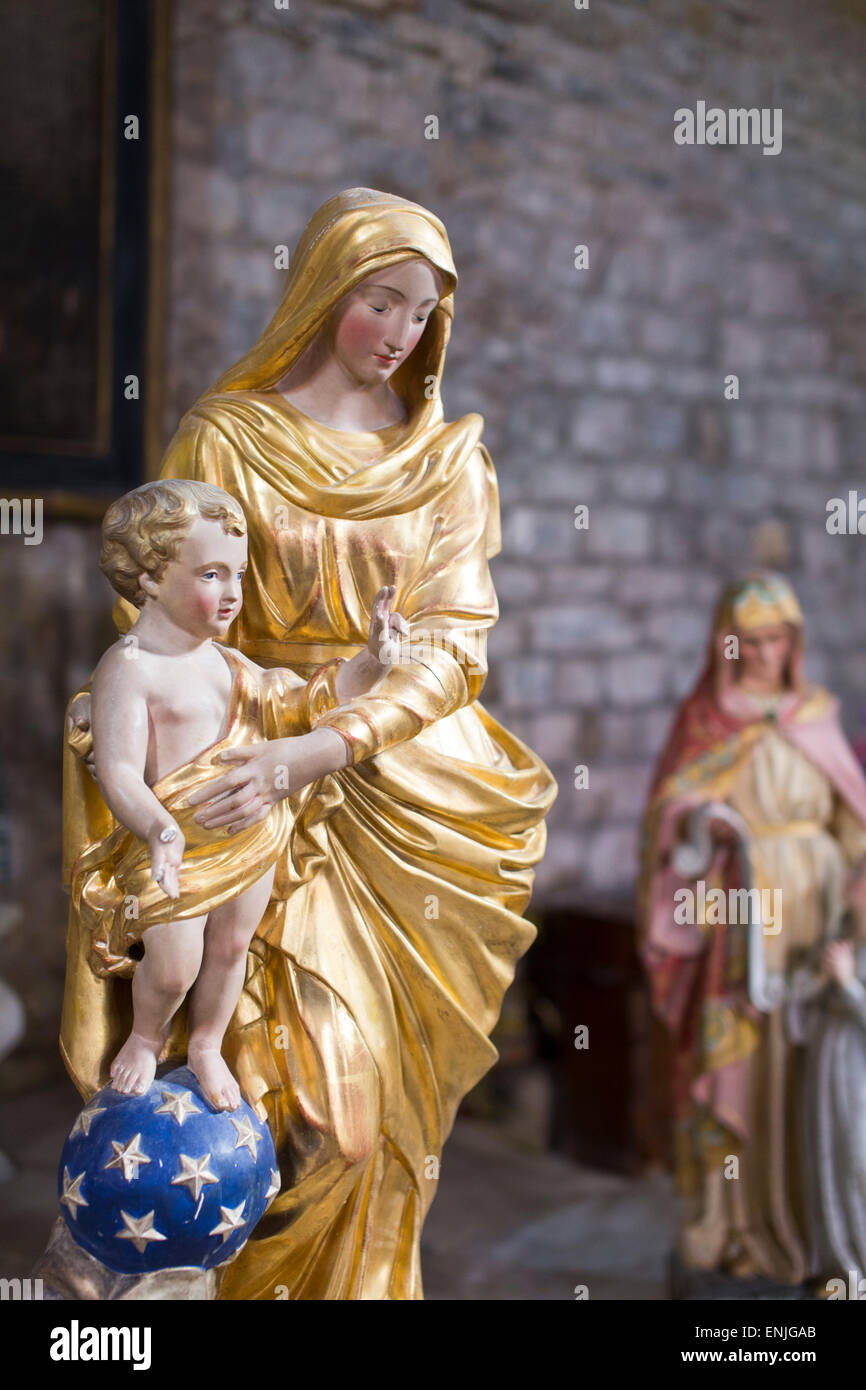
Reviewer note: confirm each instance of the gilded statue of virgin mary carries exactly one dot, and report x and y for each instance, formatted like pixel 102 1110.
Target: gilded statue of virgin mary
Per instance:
pixel 379 968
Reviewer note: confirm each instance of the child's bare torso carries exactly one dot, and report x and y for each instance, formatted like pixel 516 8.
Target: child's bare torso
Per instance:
pixel 187 701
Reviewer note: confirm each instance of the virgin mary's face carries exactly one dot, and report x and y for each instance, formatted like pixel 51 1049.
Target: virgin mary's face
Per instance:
pixel 376 325
pixel 764 653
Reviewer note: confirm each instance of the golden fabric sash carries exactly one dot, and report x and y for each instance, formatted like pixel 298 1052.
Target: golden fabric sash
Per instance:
pixel 791 827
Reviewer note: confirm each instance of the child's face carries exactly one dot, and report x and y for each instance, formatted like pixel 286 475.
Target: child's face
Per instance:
pixel 201 587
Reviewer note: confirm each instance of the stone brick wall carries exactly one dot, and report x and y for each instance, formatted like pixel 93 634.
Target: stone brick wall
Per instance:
pixel 55 621
pixel 602 386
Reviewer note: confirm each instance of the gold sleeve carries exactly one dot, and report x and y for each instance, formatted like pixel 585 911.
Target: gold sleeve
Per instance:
pixel 449 607
pixel 291 705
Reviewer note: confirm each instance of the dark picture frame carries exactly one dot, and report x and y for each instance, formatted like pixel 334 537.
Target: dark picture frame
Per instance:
pixel 84 255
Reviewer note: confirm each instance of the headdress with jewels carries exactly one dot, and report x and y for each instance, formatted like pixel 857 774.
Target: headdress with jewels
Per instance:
pixel 757 600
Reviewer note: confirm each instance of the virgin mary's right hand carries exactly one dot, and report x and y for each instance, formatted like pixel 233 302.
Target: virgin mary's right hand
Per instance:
pixel 79 733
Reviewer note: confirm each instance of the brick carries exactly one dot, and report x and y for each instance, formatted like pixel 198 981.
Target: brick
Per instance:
pixel 662 427
pixel 635 679
pixel 617 792
pixel 618 532
pixel 677 629
pixel 564 858
pixel 634 270
pixel 555 738
pixel 603 425
pixel 526 682
pixel 641 482
pixel 775 290
pixel 794 347
pixel 631 375
pixel 751 492
pixel 206 200
pixel 581 581
pixel 591 627
pixel 507 638
pixel 605 323
pixel 659 586
pixel 292 143
pixel 578 683
pixel 786 441
pixel 515 584
pixel 612 858
pixel 744 347
pixel 671 335
pixel 540 533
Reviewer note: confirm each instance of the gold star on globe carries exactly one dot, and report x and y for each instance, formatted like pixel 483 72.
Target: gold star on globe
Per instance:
pixel 139 1229
pixel 178 1106
pixel 274 1187
pixel 232 1220
pixel 247 1137
pixel 85 1120
pixel 72 1197
pixel 194 1174
pixel 128 1157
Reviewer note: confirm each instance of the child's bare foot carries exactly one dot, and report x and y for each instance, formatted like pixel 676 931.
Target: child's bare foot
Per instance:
pixel 134 1067
pixel 217 1082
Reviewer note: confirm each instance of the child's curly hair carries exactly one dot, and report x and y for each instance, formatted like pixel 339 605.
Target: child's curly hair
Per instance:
pixel 142 530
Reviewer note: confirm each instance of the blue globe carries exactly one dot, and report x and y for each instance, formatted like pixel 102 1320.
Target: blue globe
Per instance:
pixel 162 1180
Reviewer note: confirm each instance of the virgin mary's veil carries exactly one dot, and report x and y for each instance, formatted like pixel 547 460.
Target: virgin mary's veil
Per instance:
pixel 354 235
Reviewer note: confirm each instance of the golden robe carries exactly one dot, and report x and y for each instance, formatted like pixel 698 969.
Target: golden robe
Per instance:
pixel 395 925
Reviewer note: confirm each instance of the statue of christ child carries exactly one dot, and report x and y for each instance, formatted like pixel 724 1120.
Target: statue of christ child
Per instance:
pixel 171 707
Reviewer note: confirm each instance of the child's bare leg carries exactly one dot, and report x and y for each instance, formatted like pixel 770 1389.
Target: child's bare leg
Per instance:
pixel 213 1000
pixel 172 956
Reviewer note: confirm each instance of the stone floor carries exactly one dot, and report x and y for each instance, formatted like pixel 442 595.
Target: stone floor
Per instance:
pixel 33 1127
pixel 506 1223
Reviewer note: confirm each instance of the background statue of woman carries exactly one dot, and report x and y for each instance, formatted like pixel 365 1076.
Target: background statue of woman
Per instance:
pixel 395 922
pixel 756 767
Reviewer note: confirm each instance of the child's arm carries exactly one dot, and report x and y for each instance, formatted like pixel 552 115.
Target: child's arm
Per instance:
pixel 120 733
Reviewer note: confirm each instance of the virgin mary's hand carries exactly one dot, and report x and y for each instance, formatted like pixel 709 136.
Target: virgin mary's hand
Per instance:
pixel 263 774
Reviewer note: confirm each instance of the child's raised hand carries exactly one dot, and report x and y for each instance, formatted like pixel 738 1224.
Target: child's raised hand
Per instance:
pixel 165 861
pixel 386 628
